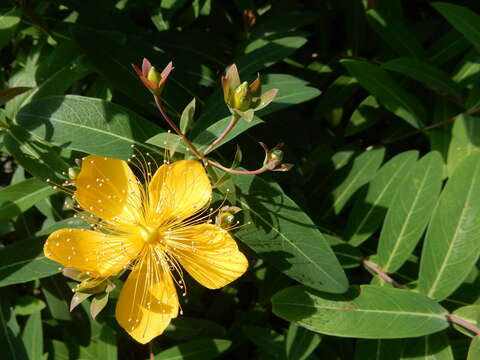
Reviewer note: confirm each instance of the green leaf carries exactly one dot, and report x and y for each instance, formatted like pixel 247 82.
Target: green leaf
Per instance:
pixel 9 20
pixel 27 305
pixel 348 255
pixel 271 342
pixel 300 342
pixel 363 169
pixel 363 312
pixel 24 261
pixel 337 94
pixel 57 295
pixel 432 347
pixel 396 99
pixel 395 34
pixel 284 236
pixel 10 341
pixel 17 198
pixel 187 116
pixel 7 94
pixel 428 74
pixel 474 349
pixel 87 124
pixel 451 246
pixel 367 114
pixel 39 158
pixel 447 47
pixel 412 207
pixel 204 349
pixel 266 51
pixel 103 343
pixel 462 19
pixel 368 212
pixel 381 349
pixel 465 140
pixel 470 314
pixel 33 336
pixel 184 327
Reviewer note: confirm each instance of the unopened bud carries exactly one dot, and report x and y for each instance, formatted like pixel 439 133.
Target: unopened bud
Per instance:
pixel 276 154
pixel 73 173
pixel 153 75
pixel 241 98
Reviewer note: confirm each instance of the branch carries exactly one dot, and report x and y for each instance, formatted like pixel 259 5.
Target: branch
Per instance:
pixel 382 274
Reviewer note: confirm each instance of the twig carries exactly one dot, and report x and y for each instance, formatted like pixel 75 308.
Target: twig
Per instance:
pixel 176 129
pixel 233 171
pixel 463 323
pixel 382 274
pixel 227 130
pixel 150 350
pixel 429 127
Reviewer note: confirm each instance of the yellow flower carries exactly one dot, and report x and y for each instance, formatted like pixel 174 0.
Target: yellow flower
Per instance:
pixel 150 229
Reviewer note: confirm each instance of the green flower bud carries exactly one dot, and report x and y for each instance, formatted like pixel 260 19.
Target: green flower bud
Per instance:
pixel 276 154
pixel 73 173
pixel 153 75
pixel 241 98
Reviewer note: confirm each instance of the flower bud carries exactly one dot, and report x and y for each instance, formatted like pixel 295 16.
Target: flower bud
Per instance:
pixel 73 173
pixel 151 78
pixel 226 216
pixel 153 75
pixel 241 99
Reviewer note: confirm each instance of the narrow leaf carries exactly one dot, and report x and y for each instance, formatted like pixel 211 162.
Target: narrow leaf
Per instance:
pixel 33 336
pixel 10 341
pixel 432 347
pixel 387 91
pixel 428 74
pixel 187 116
pixel 300 342
pixel 452 244
pixel 363 312
pixel 205 349
pixel 408 217
pixel 368 212
pixel 363 169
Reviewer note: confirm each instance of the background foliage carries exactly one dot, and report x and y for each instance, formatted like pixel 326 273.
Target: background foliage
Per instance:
pixel 367 249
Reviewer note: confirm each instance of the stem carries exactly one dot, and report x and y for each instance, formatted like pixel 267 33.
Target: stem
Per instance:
pixel 240 172
pixel 176 129
pixel 465 324
pixel 227 130
pixel 150 350
pixel 429 127
pixel 382 274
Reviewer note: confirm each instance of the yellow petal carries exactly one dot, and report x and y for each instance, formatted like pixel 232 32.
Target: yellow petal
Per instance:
pixel 108 189
pixel 209 254
pixel 148 301
pixel 177 191
pixel 94 252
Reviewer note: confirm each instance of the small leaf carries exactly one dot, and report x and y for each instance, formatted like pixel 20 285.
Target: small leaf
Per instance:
pixel 78 298
pixel 187 117
pixel 367 114
pixel 407 219
pixel 363 312
pixel 451 245
pixel 33 336
pixel 300 342
pixel 7 94
pixel 205 349
pixel 98 304
pixel 387 91
pixel 9 20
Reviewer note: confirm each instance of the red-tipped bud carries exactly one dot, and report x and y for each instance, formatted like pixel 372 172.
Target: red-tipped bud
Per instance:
pixel 151 78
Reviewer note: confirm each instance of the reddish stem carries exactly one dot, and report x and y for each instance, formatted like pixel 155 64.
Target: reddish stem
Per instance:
pixel 429 127
pixel 176 129
pixel 240 172
pixel 463 323
pixel 382 274
pixel 222 136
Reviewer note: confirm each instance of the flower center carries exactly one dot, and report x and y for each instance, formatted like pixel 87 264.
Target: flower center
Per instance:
pixel 149 234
